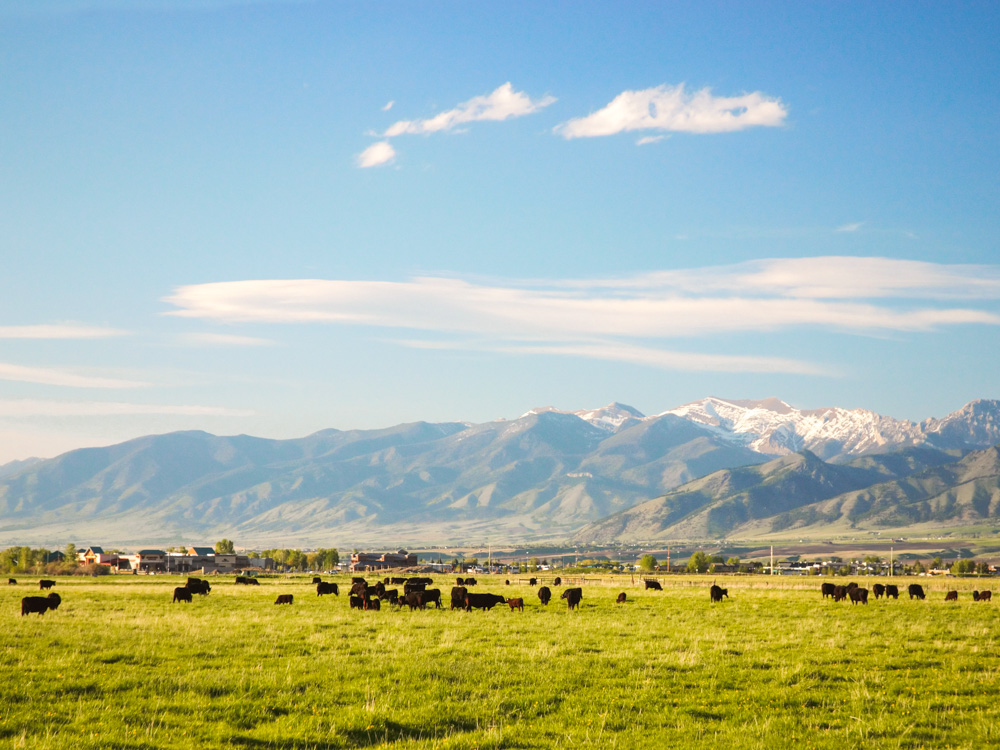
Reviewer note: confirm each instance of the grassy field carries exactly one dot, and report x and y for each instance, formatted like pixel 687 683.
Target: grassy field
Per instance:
pixel 775 666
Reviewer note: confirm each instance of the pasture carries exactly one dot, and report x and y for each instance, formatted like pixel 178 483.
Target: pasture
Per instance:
pixel 775 665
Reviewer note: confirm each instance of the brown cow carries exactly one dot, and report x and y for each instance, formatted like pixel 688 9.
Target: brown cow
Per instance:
pixel 283 599
pixel 951 596
pixel 985 596
pixel 572 597
pixel 621 598
pixel 517 604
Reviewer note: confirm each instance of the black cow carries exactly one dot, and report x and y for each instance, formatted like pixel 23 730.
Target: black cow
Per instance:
pixel 482 601
pixel 414 600
pixel 916 591
pixel 283 599
pixel 11 582
pixel 458 596
pixel 506 582
pixel 327 588
pixel 654 585
pixel 379 589
pixel 198 586
pixel 425 581
pixel 39 604
pixel 878 589
pixel 432 595
pixel 557 582
pixel 459 581
pixel 716 593
pixel 892 590
pixel 951 596
pixel 470 582
pixel 45 584
pixel 247 581
pixel 357 579
pixel 317 579
pixel 621 598
pixel 572 597
pixel 357 602
pixel 181 594
pixel 840 593
pixel 411 586
pixel 544 595
pixel 373 604
pixel 985 596
pixel 390 595
pixel 397 581
pixel 858 594
pixel 532 581
pixel 827 589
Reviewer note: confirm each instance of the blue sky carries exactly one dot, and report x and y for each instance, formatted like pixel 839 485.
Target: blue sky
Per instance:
pixel 278 217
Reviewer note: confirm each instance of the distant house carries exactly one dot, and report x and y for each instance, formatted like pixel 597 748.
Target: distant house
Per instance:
pixel 150 561
pixel 374 561
pixel 97 556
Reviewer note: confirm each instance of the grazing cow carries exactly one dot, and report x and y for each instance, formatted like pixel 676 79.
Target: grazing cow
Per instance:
pixel 458 596
pixel 317 579
pixel 357 602
pixel 414 600
pixel 621 598
pixel 916 591
pixel 470 582
pixel 892 590
pixel 506 583
pixel 425 582
pixel 517 604
pixel 459 581
pixel 45 584
pixel 827 589
pixel 985 596
pixel 181 594
pixel 975 596
pixel 951 596
pixel 11 582
pixel 654 585
pixel 859 594
pixel 374 604
pixel 409 588
pixel 39 604
pixel 482 601
pixel 544 595
pixel 557 582
pixel 198 586
pixel 397 581
pixel 283 599
pixel 878 589
pixel 431 595
pixel 379 589
pixel 532 581
pixel 247 581
pixel 327 588
pixel 839 593
pixel 390 595
pixel 851 585
pixel 716 593
pixel 572 597
pixel 357 579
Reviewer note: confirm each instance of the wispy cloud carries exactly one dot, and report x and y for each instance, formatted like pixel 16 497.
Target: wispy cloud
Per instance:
pixel 59 331
pixel 222 339
pixel 378 154
pixel 45 408
pixel 388 106
pixel 502 104
pixel 61 377
pixel 646 140
pixel 617 318
pixel 851 227
pixel 672 109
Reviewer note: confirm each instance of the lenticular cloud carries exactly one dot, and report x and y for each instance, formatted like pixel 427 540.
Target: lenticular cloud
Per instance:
pixel 672 109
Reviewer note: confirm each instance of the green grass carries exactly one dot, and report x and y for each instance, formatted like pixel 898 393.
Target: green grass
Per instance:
pixel 119 666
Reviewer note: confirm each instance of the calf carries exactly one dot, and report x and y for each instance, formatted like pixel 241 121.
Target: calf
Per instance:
pixel 716 593
pixel 374 604
pixel 45 584
pixel 11 582
pixel 357 602
pixel 327 588
pixel 654 585
pixel 557 582
pixel 951 596
pixel 572 597
pixel 621 598
pixel 181 594
pixel 517 604
pixel 544 595
pixel 283 599
pixel 39 604
pixel 858 594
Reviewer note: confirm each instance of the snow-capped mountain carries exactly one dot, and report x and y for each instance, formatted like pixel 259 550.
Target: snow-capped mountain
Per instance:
pixel 613 417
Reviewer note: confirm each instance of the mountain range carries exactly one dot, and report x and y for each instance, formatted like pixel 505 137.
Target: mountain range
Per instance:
pixel 547 475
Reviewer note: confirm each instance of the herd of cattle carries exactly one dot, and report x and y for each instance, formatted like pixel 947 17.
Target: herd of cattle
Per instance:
pixel 416 594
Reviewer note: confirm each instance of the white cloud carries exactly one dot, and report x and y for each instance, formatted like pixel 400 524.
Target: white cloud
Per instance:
pixel 388 106
pixel 646 140
pixel 672 109
pixel 376 155
pixel 59 331
pixel 851 227
pixel 60 377
pixel 617 318
pixel 502 104
pixel 222 339
pixel 44 408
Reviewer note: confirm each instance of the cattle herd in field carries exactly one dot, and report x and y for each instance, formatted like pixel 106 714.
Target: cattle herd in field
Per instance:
pixel 416 594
